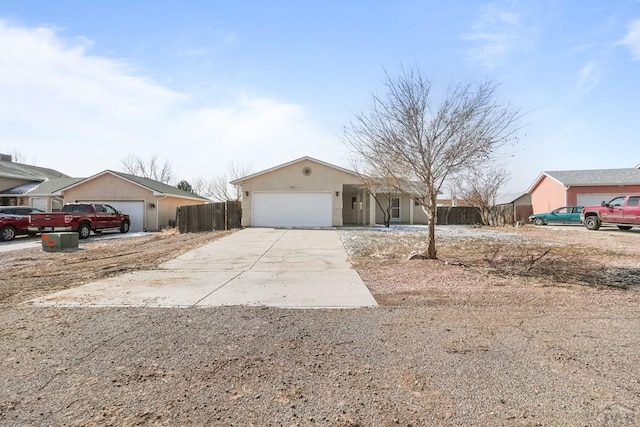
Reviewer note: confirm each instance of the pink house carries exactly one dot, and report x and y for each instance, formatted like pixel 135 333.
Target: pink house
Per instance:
pixel 555 189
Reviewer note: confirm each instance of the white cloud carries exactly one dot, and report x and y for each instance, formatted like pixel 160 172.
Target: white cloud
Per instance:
pixel 632 39
pixel 81 113
pixel 587 77
pixel 496 33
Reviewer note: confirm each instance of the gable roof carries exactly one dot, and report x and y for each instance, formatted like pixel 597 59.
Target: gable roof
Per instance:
pixel 284 165
pixel 41 188
pixel 30 172
pixel 158 188
pixel 592 177
pixel 507 199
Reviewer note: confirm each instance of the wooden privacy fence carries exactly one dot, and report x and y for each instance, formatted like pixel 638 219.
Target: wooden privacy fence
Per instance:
pixel 500 215
pixel 510 214
pixel 209 217
pixel 456 215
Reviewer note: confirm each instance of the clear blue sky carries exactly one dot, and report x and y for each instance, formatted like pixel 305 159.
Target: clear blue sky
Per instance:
pixel 83 84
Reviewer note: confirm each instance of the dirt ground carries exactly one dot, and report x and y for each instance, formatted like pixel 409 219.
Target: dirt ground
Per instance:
pixel 527 326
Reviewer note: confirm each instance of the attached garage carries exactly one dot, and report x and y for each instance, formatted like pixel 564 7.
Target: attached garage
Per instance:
pixel 135 210
pixel 591 199
pixel 303 209
pixel 582 187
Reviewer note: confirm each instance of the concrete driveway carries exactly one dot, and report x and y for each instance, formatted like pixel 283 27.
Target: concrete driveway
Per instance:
pixel 255 266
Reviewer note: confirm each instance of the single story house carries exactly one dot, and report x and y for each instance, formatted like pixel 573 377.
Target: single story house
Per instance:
pixel 554 189
pixel 28 185
pixel 307 192
pixel 150 204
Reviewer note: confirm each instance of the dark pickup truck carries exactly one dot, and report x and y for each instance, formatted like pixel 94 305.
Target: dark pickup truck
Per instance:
pixel 80 217
pixel 623 211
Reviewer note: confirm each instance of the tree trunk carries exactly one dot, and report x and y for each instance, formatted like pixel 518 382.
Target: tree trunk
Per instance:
pixel 433 214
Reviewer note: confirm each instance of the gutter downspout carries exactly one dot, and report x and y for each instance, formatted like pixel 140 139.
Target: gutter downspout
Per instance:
pixel 158 210
pixel 566 197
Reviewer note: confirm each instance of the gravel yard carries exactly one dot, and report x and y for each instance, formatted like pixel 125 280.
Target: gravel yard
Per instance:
pixel 518 326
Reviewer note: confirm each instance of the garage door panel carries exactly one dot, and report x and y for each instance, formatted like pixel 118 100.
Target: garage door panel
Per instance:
pixel 594 199
pixel 135 210
pixel 274 209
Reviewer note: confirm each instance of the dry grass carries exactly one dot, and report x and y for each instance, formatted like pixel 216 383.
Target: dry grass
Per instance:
pixel 503 253
pixel 30 273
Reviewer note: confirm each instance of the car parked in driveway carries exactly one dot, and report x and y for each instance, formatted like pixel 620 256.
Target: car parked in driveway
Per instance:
pixel 14 221
pixel 563 215
pixel 18 210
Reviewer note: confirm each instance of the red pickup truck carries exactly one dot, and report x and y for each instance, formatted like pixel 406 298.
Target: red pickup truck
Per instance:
pixel 14 221
pixel 80 217
pixel 623 211
pixel 12 226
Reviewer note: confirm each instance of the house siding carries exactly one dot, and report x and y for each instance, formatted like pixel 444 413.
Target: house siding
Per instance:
pixel 109 187
pixel 549 194
pixel 291 179
pixel 167 206
pixel 406 204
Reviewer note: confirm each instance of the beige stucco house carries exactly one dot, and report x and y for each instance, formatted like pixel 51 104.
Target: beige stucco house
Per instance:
pixel 307 192
pixel 150 204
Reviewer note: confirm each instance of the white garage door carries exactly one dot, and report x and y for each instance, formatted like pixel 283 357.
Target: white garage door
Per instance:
pixel 292 209
pixel 135 210
pixel 594 199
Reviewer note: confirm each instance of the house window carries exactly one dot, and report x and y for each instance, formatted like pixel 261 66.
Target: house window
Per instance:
pixel 354 200
pixel 395 208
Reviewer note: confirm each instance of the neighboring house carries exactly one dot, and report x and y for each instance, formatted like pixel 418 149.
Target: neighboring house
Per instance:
pixel 151 205
pixel 27 185
pixel 307 192
pixel 513 208
pixel 521 198
pixel 555 189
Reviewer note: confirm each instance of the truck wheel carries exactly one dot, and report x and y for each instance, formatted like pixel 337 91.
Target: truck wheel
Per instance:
pixel 538 221
pixel 7 233
pixel 592 222
pixel 624 227
pixel 124 227
pixel 84 231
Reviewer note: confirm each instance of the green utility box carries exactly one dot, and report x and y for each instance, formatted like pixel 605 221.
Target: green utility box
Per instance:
pixel 56 242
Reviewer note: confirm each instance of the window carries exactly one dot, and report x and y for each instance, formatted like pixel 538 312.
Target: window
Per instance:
pixel 109 209
pixel 618 201
pixel 633 201
pixel 395 208
pixel 354 200
pixel 562 211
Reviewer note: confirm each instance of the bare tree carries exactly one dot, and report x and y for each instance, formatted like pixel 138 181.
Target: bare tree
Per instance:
pixel 418 146
pixel 377 186
pixel 218 187
pixel 479 188
pixel 148 168
pixel 17 156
